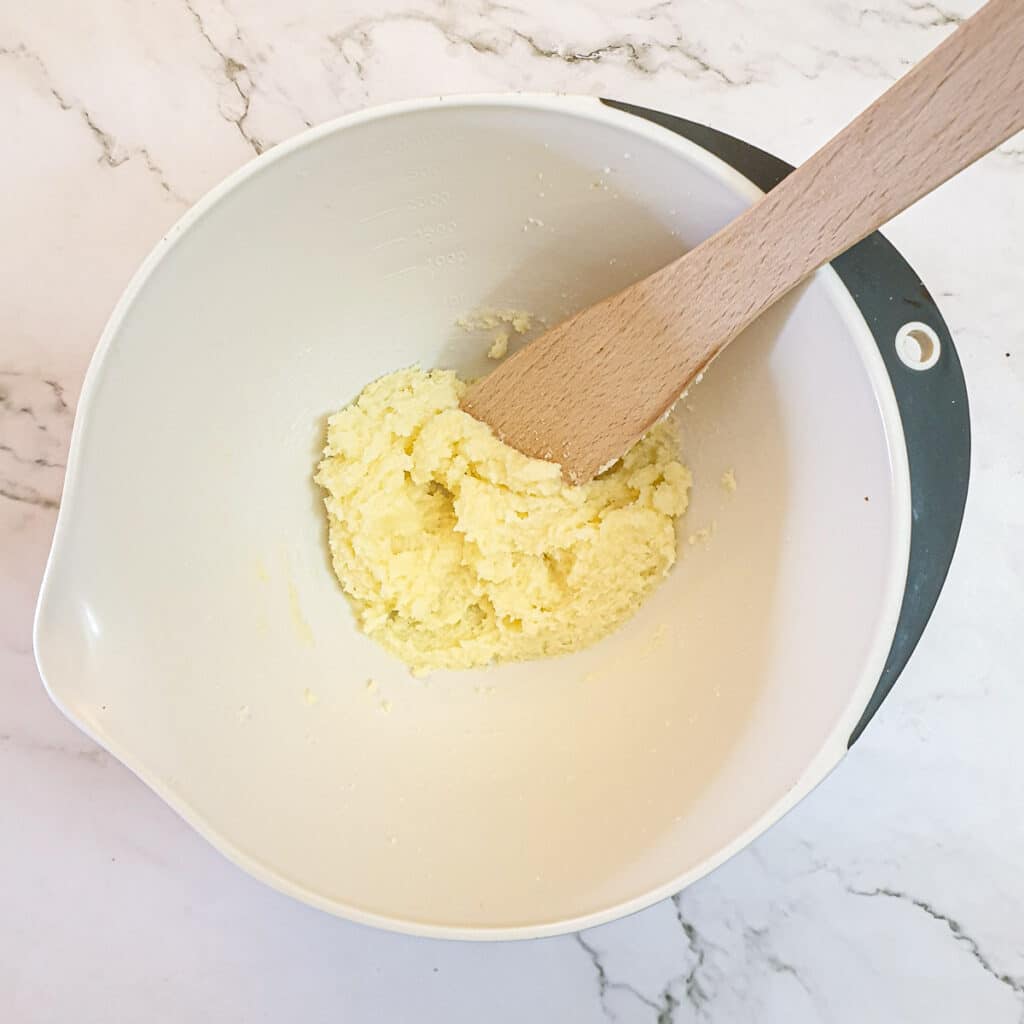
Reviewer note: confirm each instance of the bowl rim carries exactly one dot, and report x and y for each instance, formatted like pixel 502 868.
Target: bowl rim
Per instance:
pixel 833 745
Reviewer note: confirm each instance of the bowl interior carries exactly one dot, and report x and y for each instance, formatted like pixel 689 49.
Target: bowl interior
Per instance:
pixel 190 620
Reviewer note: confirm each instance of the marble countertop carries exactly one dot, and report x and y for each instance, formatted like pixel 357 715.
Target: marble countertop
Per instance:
pixel 894 893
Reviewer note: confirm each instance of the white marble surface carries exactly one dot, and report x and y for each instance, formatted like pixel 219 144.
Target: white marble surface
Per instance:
pixel 894 893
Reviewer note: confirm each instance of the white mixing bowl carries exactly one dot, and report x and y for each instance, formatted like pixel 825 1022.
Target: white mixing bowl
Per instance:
pixel 189 620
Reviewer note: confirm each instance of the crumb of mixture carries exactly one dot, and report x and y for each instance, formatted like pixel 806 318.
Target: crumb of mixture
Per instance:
pixel 309 696
pixel 729 480
pixel 701 536
pixel 487 319
pixel 456 551
pixel 499 321
pixel 499 349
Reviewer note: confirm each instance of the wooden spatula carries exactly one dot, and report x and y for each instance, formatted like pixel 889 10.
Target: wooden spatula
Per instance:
pixel 582 393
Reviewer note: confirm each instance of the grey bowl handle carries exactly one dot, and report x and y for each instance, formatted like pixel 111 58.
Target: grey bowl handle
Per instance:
pixel 932 403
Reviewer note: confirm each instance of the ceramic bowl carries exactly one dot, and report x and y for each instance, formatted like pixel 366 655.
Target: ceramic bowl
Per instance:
pixel 189 620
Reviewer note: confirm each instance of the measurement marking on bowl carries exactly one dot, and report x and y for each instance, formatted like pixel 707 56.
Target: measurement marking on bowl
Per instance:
pixel 404 270
pixel 446 227
pixel 442 261
pixel 382 213
pixel 431 200
pixel 390 241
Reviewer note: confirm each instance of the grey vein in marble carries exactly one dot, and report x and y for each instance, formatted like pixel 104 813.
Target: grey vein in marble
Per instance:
pixel 934 16
pixel 93 753
pixel 35 424
pixel 635 54
pixel 606 985
pixel 682 985
pixel 755 940
pixel 695 993
pixel 939 16
pixel 1016 985
pixel 234 72
pixel 108 144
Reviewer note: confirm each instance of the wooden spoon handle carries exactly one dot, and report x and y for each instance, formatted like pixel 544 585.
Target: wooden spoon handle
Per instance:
pixel 582 393
pixel 962 100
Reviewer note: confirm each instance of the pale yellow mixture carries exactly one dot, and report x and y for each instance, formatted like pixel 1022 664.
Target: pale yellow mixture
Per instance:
pixel 457 551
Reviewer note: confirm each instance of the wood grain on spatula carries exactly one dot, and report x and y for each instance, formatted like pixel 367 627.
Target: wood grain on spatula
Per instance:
pixel 585 391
